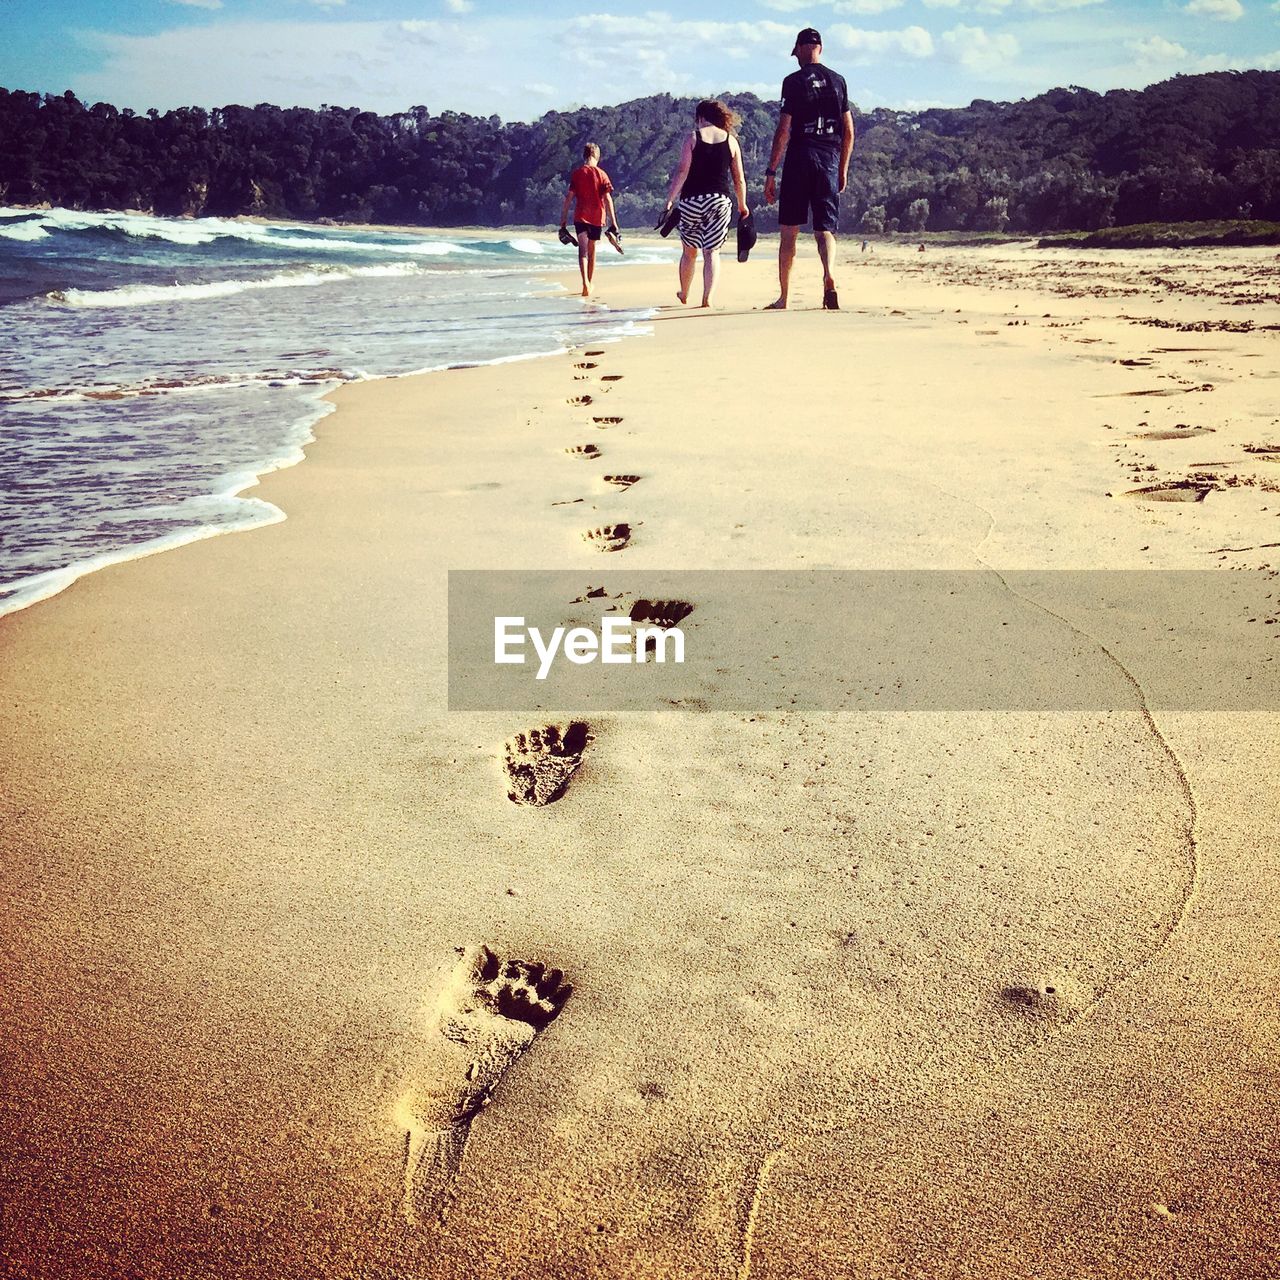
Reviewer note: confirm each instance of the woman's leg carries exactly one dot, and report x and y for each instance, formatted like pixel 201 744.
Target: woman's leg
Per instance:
pixel 688 260
pixel 710 274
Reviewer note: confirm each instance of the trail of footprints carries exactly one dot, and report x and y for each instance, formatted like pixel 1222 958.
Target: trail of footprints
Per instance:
pixel 492 1008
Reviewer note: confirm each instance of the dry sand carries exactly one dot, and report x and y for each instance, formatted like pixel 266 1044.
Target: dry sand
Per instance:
pixel 944 994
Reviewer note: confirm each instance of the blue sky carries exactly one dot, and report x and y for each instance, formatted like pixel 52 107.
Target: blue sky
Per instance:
pixel 518 59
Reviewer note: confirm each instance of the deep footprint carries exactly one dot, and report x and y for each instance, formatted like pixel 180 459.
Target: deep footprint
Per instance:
pixel 661 613
pixel 487 1016
pixel 540 763
pixel 623 482
pixel 579 401
pixel 584 450
pixel 585 364
pixel 609 537
pixel 606 422
pixel 611 377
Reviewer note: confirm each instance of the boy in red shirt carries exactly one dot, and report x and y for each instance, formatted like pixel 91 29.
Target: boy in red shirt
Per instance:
pixel 590 185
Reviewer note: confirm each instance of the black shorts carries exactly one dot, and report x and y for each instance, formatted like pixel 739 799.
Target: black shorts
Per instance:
pixel 593 232
pixel 811 180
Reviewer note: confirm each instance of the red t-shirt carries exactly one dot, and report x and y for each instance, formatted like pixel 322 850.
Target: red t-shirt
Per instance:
pixel 589 183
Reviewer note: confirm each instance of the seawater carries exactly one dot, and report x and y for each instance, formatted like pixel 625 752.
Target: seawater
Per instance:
pixel 152 369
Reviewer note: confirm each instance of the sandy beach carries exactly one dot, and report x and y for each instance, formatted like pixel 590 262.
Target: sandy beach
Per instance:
pixel 905 994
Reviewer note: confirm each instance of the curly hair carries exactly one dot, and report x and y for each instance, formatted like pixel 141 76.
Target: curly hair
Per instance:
pixel 713 111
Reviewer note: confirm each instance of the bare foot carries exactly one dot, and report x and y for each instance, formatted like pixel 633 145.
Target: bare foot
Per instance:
pixel 680 297
pixel 779 305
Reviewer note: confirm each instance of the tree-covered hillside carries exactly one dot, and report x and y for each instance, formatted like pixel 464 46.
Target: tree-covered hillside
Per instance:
pixel 1194 147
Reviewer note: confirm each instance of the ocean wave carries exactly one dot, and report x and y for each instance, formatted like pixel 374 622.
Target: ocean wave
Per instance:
pixel 199 382
pixel 195 232
pixel 25 230
pixel 423 249
pixel 133 295
pixel 526 246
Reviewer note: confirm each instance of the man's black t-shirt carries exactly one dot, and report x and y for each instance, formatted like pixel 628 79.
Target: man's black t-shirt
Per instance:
pixel 816 99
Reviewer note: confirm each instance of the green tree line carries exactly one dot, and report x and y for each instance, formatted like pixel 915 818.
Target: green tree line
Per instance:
pixel 1194 147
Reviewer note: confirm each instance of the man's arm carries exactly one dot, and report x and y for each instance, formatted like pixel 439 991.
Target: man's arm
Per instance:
pixel 780 137
pixel 564 212
pixel 610 211
pixel 846 149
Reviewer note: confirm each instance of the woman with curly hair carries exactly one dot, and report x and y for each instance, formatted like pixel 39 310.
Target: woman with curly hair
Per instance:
pixel 703 189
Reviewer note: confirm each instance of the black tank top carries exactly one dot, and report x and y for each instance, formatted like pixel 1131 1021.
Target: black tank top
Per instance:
pixel 710 170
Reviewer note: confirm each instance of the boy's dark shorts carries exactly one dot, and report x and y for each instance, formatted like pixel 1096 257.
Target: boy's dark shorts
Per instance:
pixel 811 180
pixel 593 232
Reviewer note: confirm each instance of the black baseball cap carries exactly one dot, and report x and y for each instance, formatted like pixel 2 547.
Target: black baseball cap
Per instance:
pixel 807 36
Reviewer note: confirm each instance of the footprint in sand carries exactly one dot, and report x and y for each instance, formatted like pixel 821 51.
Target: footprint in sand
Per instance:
pixel 585 364
pixel 578 401
pixel 488 1014
pixel 609 537
pixel 661 613
pixel 584 450
pixel 606 422
pixel 611 377
pixel 594 353
pixel 623 482
pixel 539 763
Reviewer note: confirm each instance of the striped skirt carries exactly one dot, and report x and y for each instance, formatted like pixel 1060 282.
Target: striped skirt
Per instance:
pixel 704 220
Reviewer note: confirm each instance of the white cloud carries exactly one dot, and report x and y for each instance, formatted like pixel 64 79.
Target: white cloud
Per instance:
pixel 631 55
pixel 865 8
pixel 198 4
pixel 874 46
pixel 763 89
pixel 1007 6
pixel 975 49
pixel 1224 62
pixel 1223 10
pixel 860 8
pixel 459 6
pixel 1158 50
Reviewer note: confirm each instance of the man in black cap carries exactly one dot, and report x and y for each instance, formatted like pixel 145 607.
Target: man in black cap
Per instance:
pixel 815 131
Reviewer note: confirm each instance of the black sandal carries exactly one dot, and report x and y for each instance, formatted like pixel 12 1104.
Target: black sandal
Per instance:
pixel 830 301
